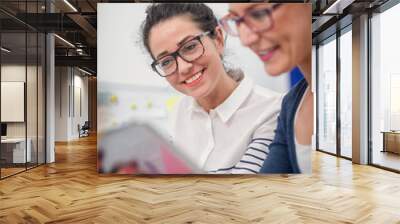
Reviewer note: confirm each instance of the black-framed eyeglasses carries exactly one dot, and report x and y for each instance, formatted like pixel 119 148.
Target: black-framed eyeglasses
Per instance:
pixel 191 50
pixel 258 20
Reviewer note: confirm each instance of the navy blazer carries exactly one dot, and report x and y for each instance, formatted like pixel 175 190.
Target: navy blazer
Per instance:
pixel 282 150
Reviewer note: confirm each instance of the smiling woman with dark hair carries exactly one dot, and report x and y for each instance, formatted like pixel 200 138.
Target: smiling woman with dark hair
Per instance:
pixel 222 110
pixel 280 34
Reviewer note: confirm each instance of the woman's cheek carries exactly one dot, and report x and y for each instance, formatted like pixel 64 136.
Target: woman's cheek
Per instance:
pixel 172 80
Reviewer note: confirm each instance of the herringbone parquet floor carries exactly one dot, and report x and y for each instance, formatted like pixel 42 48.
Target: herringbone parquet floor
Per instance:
pixel 71 191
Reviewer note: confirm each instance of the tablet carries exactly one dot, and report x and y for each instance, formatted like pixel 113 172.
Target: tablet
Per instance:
pixel 138 148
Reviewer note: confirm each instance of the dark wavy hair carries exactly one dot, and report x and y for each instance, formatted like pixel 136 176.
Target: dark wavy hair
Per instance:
pixel 200 14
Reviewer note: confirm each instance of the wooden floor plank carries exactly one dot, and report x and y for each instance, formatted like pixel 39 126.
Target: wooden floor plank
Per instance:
pixel 71 191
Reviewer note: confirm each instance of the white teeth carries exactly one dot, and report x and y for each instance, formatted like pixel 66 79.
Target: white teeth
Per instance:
pixel 188 81
pixel 266 51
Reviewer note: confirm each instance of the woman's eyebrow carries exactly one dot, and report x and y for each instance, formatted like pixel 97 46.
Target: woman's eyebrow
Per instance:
pixel 230 11
pixel 178 44
pixel 162 54
pixel 246 10
pixel 184 40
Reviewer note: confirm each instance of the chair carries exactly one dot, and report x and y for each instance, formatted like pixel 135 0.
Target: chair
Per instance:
pixel 84 130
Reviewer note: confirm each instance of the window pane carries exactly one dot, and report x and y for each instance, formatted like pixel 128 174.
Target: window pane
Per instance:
pixel 385 89
pixel 327 97
pixel 31 97
pixel 41 98
pixel 346 94
pixel 13 87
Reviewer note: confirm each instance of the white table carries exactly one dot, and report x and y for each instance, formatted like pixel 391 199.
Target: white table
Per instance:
pixel 19 149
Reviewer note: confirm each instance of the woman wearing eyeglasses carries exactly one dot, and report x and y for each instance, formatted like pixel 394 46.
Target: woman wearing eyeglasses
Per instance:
pixel 280 34
pixel 220 120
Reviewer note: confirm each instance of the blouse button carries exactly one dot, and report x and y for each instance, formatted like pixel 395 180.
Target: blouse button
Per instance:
pixel 212 113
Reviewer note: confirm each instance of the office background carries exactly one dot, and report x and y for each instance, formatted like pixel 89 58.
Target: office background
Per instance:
pixel 340 190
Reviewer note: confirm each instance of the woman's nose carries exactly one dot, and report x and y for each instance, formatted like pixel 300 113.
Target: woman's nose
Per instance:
pixel 246 35
pixel 184 67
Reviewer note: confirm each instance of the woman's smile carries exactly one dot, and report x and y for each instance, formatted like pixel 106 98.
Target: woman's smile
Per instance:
pixel 194 80
pixel 267 54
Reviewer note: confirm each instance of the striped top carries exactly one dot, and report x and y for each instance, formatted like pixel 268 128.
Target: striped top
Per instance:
pixel 252 160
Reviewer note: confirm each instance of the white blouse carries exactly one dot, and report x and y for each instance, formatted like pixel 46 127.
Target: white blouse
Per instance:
pixel 219 141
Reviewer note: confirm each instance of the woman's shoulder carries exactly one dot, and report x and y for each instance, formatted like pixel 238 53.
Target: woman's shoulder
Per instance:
pixel 262 93
pixel 262 102
pixel 267 93
pixel 266 96
pixel 295 94
pixel 300 87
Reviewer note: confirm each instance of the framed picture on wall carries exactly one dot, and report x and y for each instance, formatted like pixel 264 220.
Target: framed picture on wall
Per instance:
pixel 12 101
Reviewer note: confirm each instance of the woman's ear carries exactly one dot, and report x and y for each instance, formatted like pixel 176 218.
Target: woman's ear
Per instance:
pixel 219 40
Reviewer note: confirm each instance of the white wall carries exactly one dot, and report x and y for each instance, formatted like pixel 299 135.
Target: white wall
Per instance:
pixel 12 73
pixel 61 103
pixel 33 125
pixel 67 115
pixel 15 72
pixel 80 110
